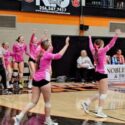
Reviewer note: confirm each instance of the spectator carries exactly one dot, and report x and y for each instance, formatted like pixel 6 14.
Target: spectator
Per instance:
pixel 104 3
pixel 120 58
pixel 107 3
pixel 111 4
pixel 120 4
pixel 2 71
pixel 108 59
pixel 85 68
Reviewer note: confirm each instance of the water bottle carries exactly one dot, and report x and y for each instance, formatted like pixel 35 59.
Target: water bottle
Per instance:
pixel 114 60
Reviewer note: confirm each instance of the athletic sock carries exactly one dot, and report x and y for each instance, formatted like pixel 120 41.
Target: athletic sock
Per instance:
pixel 20 116
pixel 47 119
pixel 99 109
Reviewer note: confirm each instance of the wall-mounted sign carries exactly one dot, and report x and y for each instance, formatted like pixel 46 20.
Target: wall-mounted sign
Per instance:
pixel 70 7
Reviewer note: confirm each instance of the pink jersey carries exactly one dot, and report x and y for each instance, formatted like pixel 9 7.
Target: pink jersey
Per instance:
pixel 45 65
pixel 19 50
pixel 7 56
pixel 33 47
pixel 38 52
pixel 100 66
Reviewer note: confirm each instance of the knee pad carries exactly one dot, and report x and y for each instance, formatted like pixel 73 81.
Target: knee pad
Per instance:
pixel 20 75
pixel 47 104
pixel 103 96
pixel 15 73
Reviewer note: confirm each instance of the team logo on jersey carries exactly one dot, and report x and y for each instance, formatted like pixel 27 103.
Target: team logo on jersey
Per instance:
pixel 75 3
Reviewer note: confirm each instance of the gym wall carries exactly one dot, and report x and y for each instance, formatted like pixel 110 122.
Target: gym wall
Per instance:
pixel 58 25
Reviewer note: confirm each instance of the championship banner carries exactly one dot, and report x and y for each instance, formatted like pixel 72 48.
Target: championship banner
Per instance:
pixel 70 7
pixel 116 73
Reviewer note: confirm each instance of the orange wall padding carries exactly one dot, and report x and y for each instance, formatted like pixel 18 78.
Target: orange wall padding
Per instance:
pixel 27 17
pixel 101 21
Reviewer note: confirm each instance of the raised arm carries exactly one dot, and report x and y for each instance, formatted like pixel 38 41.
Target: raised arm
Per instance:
pixel 26 51
pixel 44 37
pixel 14 49
pixel 32 37
pixel 91 44
pixel 113 40
pixel 45 34
pixel 61 52
pixel 38 52
pixel 111 43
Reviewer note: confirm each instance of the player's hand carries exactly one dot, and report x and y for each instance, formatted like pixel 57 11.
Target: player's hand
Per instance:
pixel 118 32
pixel 67 41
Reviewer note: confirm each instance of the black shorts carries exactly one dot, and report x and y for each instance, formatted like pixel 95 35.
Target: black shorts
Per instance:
pixel 100 76
pixel 2 67
pixel 18 62
pixel 40 83
pixel 32 60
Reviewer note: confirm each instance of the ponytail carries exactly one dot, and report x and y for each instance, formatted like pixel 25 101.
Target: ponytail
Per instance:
pixel 97 44
pixel 96 53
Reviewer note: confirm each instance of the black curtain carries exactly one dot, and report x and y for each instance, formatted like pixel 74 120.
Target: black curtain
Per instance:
pixel 10 5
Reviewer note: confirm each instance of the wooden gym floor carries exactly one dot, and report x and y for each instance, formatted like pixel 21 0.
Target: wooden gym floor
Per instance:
pixel 66 107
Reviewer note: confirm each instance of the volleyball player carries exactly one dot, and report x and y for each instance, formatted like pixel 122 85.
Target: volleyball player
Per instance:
pixel 19 48
pixel 8 65
pixel 41 80
pixel 99 54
